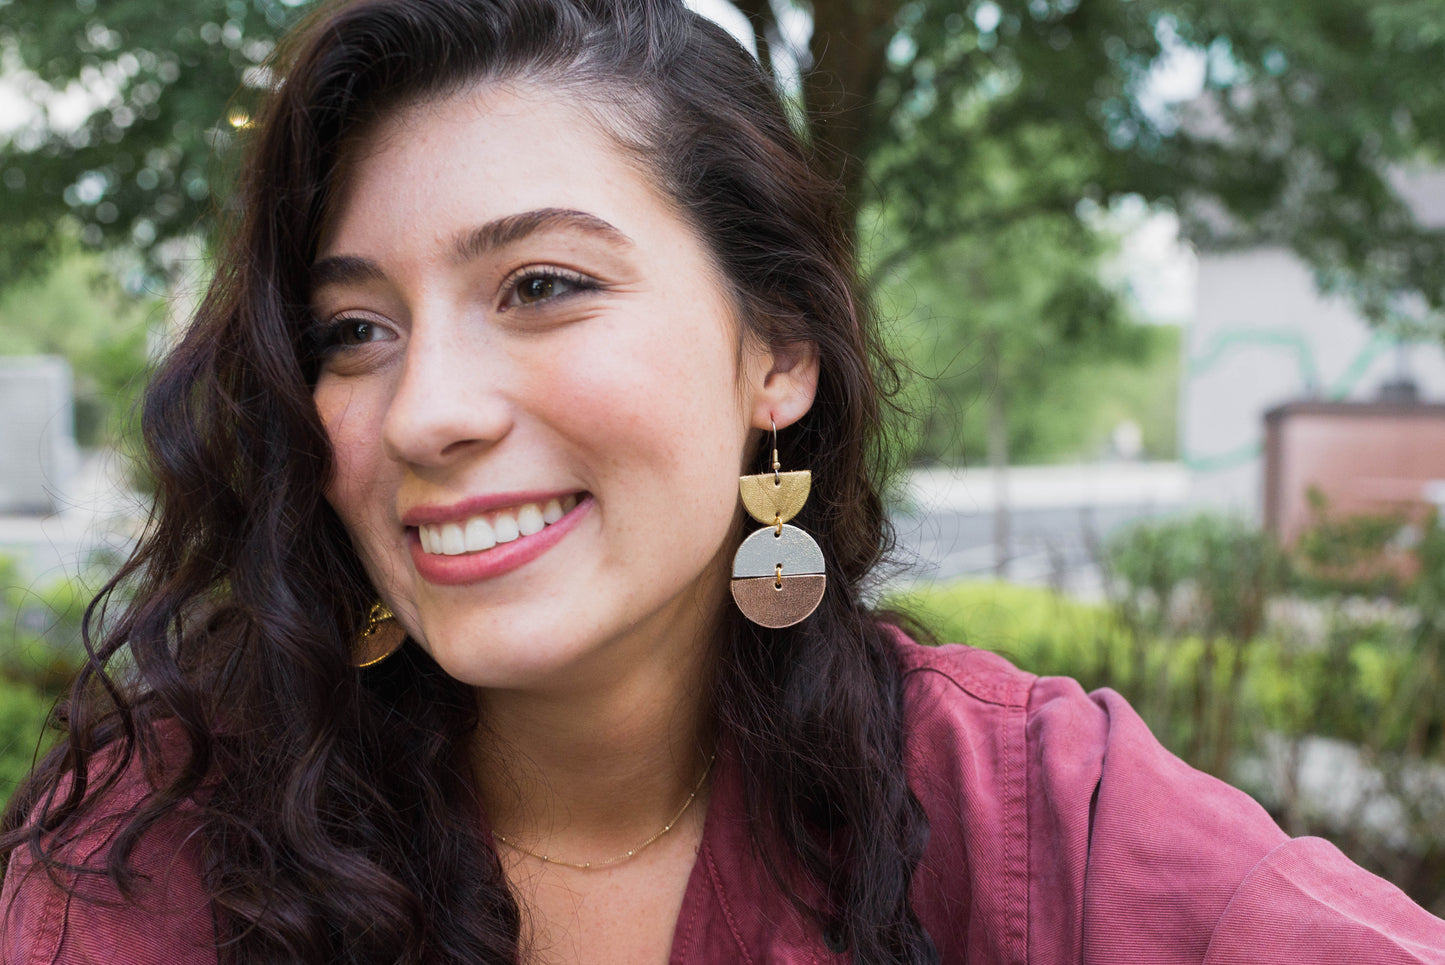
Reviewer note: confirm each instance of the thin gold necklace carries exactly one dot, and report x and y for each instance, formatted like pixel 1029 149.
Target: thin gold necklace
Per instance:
pixel 626 855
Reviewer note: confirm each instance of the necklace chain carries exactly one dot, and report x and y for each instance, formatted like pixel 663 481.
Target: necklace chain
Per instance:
pixel 626 855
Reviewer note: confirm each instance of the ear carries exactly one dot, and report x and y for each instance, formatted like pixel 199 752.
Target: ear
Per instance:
pixel 786 383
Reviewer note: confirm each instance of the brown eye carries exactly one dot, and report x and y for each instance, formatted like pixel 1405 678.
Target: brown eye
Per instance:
pixel 536 289
pixel 331 338
pixel 357 332
pixel 538 286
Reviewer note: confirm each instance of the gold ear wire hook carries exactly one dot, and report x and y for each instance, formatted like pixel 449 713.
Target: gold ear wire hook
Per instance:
pixel 777 479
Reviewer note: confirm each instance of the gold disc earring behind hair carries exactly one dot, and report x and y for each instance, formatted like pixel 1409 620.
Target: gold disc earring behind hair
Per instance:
pixel 778 572
pixel 380 639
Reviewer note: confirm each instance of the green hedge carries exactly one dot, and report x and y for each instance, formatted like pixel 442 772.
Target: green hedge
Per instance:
pixel 1346 685
pixel 23 712
pixel 40 651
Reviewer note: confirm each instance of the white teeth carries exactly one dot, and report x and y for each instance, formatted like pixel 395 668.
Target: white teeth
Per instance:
pixel 529 519
pixel 480 533
pixel 505 526
pixel 454 542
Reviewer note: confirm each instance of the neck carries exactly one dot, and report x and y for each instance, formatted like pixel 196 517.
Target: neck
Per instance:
pixel 593 765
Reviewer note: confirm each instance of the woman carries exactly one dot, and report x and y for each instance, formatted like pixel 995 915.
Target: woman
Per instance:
pixel 519 289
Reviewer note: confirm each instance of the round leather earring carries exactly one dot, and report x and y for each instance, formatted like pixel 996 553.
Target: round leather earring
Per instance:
pixel 778 571
pixel 380 639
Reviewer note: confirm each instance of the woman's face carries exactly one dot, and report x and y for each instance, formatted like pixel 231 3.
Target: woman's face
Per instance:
pixel 537 391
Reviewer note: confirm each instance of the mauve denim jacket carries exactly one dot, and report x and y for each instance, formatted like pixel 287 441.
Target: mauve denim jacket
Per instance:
pixel 1061 831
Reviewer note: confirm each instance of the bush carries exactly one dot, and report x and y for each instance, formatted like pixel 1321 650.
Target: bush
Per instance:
pixel 1037 629
pixel 23 713
pixel 40 638
pixel 40 652
pixel 1050 635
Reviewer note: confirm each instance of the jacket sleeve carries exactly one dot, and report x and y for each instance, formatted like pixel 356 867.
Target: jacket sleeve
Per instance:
pixel 1306 902
pixel 1178 867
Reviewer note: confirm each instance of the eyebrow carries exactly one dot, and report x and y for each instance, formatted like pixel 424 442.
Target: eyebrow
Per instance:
pixel 514 227
pixel 343 270
pixel 350 269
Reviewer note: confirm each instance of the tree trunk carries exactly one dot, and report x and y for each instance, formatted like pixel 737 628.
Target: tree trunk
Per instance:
pixel 765 22
pixel 998 463
pixel 849 49
pixel 1199 742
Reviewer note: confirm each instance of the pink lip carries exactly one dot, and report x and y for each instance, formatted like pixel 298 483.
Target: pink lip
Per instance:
pixel 431 514
pixel 486 564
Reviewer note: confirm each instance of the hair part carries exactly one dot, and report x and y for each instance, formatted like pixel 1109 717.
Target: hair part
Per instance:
pixel 246 591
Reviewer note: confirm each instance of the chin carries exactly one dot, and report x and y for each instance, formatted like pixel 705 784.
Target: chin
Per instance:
pixel 507 659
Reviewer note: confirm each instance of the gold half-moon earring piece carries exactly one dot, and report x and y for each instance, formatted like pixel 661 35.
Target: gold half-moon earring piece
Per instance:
pixel 774 497
pixel 381 638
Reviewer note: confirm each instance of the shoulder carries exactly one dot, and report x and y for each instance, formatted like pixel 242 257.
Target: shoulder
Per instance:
pixel 933 672
pixel 70 910
pixel 1060 829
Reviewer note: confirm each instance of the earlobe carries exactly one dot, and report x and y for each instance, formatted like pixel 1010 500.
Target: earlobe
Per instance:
pixel 789 386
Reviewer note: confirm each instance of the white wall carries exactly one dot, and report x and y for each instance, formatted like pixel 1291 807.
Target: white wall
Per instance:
pixel 1263 335
pixel 37 433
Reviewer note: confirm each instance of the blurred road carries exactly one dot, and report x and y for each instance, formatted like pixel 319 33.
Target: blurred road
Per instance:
pixel 1058 517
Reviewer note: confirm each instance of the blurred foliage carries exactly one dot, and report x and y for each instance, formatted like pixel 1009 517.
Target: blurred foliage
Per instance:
pixel 968 118
pixel 1337 686
pixel 1035 304
pixel 145 165
pixel 40 629
pixel 1419 706
pixel 1060 390
pixel 1374 664
pixel 23 715
pixel 1360 553
pixel 944 122
pixel 40 651
pixel 75 309
pixel 1230 569
pixel 1084 403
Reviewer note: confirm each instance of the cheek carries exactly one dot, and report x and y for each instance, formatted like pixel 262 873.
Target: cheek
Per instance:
pixel 665 427
pixel 354 448
pixel 660 418
pixel 671 372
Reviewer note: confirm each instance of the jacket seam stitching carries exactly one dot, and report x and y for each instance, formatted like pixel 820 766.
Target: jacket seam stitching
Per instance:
pixel 726 908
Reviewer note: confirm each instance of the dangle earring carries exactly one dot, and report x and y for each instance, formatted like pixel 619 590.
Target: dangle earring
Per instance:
pixel 778 572
pixel 381 638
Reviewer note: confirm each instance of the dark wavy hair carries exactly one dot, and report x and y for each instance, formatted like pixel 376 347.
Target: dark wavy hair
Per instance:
pixel 334 806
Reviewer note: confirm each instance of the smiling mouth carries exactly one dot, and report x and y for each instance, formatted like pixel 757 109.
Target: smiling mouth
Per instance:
pixel 479 533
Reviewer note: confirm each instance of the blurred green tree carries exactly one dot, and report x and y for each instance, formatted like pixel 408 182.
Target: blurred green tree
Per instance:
pixel 76 309
pixel 941 118
pixel 945 119
pixel 959 129
pixel 138 104
pixel 1004 331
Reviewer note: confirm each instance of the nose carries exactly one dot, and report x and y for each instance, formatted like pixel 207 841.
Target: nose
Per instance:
pixel 450 398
